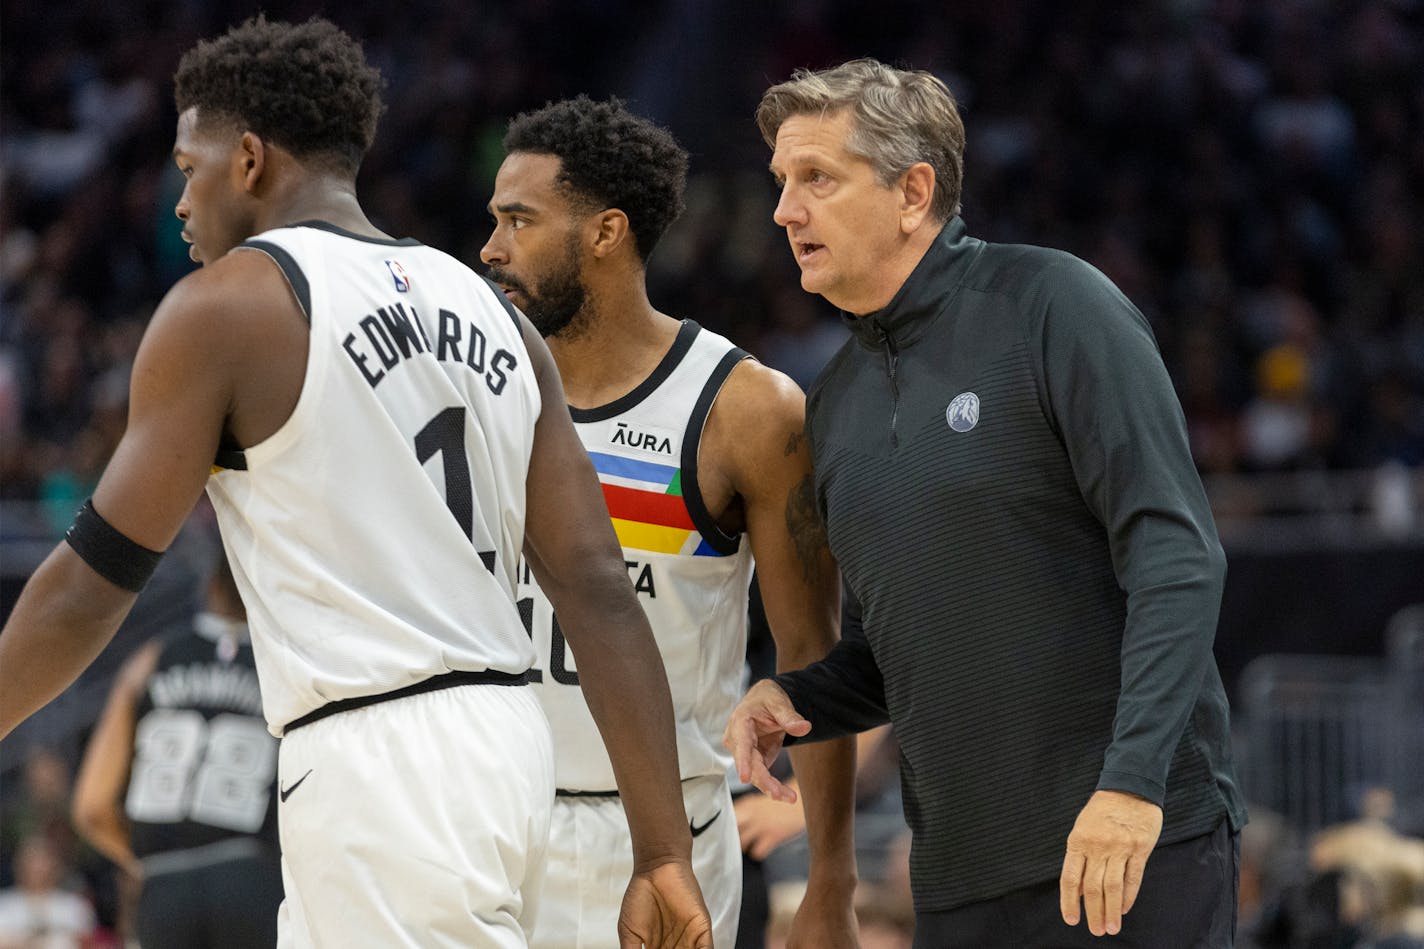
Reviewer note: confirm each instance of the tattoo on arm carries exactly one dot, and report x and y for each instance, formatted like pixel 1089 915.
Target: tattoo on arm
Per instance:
pixel 793 443
pixel 803 523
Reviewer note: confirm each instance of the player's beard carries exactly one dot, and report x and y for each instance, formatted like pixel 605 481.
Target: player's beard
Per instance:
pixel 555 302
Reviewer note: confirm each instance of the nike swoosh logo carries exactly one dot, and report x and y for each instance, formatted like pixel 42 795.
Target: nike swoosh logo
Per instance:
pixel 697 831
pixel 285 793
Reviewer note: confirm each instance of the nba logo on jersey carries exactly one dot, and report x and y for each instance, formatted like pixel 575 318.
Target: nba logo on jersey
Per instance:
pixel 401 277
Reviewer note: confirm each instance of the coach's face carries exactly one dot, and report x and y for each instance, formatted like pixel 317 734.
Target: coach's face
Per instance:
pixel 536 253
pixel 844 225
pixel 216 208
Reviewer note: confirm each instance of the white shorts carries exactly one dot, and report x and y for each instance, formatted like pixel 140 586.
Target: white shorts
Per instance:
pixel 419 821
pixel 590 860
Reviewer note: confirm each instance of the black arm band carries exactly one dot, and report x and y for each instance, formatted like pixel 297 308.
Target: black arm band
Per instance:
pixel 112 555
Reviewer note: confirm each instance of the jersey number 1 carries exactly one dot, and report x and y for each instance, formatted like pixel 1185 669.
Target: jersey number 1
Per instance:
pixel 445 434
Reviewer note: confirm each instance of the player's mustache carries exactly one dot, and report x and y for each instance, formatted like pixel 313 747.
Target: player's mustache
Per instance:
pixel 505 279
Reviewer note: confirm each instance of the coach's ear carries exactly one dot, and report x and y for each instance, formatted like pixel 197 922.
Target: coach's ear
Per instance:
pixel 917 187
pixel 609 231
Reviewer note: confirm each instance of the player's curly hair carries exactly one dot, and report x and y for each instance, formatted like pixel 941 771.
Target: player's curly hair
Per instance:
pixel 610 158
pixel 306 88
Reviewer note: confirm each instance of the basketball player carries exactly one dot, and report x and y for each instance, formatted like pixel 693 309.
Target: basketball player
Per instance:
pixel 179 785
pixel 700 454
pixel 390 434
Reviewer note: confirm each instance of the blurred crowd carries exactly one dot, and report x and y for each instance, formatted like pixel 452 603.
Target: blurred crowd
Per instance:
pixel 1249 172
pixel 53 888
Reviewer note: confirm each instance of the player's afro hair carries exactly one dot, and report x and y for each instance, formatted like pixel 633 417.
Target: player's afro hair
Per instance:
pixel 610 158
pixel 306 88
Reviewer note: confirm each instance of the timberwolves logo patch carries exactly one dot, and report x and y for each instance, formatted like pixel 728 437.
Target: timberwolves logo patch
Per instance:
pixel 963 412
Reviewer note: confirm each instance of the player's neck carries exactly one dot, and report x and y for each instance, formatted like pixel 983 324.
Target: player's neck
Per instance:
pixel 621 342
pixel 323 198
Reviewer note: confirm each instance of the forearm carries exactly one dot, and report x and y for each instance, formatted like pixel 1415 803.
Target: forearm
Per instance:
pixel 825 778
pixel 62 620
pixel 1124 431
pixel 108 833
pixel 1166 654
pixel 826 784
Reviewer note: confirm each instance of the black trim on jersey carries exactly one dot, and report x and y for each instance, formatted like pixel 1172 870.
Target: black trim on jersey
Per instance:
pixel 290 270
pixel 716 538
pixel 447 680
pixel 508 307
pixel 685 335
pixel 343 232
pixel 231 458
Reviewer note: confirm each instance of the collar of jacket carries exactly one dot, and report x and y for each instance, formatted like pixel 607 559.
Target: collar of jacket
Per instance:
pixel 922 296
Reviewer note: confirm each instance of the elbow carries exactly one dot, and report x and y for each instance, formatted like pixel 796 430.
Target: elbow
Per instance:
pixel 802 653
pixel 87 816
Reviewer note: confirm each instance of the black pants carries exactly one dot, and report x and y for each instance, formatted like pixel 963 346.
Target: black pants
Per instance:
pixel 230 905
pixel 1187 901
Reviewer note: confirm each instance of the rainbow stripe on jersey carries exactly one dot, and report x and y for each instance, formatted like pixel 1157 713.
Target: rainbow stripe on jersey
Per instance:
pixel 646 505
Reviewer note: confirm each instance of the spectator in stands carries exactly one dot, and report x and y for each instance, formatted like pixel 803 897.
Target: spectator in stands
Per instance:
pixel 41 806
pixel 37 913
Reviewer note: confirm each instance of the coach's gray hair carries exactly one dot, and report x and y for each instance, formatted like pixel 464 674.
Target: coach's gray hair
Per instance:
pixel 901 116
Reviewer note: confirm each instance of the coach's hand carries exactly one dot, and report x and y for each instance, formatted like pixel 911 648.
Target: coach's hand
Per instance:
pixel 663 909
pixel 1107 855
pixel 759 724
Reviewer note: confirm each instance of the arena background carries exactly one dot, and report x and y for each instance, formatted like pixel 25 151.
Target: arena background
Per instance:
pixel 1250 173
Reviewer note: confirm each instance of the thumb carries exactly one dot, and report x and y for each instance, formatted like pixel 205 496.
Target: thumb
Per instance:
pixel 791 722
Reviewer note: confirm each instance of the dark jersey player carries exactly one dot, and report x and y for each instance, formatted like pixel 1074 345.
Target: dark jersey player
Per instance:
pixel 178 785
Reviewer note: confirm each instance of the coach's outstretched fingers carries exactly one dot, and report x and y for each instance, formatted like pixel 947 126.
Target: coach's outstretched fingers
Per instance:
pixel 755 733
pixel 663 909
pixel 1106 857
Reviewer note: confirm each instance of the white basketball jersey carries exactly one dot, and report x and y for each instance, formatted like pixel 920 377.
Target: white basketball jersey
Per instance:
pixel 690 577
pixel 375 536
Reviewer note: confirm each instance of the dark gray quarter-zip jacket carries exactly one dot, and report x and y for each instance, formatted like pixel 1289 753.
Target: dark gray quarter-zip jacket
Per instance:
pixel 1003 469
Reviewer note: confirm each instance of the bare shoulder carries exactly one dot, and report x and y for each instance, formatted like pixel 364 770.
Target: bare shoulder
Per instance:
pixel 759 403
pixel 232 340
pixel 756 426
pixel 242 292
